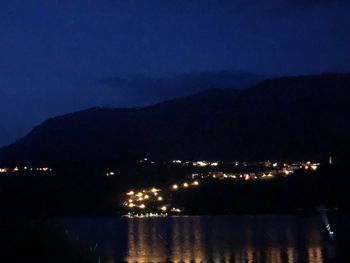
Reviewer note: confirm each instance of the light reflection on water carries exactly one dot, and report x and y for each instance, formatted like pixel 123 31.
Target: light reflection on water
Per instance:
pixel 223 239
pixel 238 239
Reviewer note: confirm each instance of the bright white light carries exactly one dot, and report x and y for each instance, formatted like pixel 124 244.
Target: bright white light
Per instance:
pixel 202 163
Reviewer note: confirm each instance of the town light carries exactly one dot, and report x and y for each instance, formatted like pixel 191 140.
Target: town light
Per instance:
pixel 314 167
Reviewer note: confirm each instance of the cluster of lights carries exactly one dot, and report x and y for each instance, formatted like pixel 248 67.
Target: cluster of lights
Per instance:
pixel 241 176
pixel 146 160
pixel 205 163
pixel 25 168
pixel 275 165
pixel 110 174
pixel 294 166
pixel 143 215
pixel 277 169
pixel 152 201
pixel 192 163
pixel 310 166
pixel 138 200
pixel 184 185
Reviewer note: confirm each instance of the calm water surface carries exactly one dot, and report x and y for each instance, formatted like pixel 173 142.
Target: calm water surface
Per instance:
pixel 275 239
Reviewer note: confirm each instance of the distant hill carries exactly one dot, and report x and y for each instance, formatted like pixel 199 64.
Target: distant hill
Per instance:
pixel 304 117
pixel 141 90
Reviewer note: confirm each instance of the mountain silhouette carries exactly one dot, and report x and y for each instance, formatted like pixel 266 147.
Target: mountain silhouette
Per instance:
pixel 287 118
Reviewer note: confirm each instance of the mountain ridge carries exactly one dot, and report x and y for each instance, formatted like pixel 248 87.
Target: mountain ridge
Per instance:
pixel 285 118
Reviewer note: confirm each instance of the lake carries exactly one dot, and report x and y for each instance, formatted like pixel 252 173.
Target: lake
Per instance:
pixel 275 239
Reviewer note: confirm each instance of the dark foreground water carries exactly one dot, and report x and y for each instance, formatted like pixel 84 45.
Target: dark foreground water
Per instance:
pixel 249 239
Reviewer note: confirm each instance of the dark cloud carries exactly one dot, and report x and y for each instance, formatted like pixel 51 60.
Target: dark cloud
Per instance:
pixel 143 90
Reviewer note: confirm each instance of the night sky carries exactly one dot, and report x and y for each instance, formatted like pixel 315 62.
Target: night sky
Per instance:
pixel 56 54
